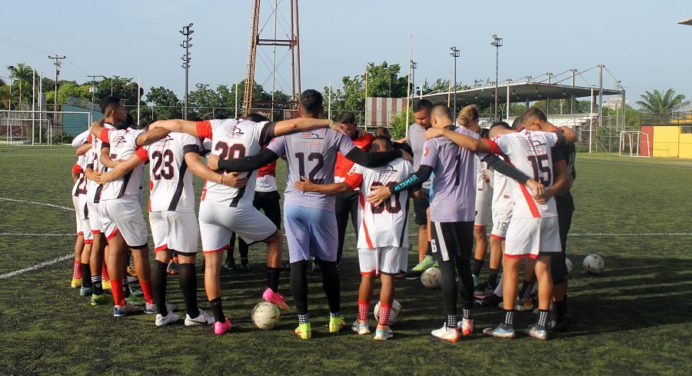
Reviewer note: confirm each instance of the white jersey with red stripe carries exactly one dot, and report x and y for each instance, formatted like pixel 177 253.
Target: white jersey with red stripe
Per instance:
pixel 170 180
pixel 384 225
pixel 79 186
pixel 232 138
pixel 94 189
pixel 530 153
pixel 123 146
pixel 502 195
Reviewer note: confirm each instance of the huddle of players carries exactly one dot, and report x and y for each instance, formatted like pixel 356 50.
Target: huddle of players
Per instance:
pixel 113 167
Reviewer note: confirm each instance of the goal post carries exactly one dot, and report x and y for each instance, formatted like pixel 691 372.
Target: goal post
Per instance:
pixel 26 127
pixel 633 142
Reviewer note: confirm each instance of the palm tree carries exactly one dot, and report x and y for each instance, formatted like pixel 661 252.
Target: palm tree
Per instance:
pixel 661 106
pixel 21 73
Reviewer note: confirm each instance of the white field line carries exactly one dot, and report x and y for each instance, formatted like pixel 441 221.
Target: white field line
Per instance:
pixel 37 203
pixel 30 234
pixel 635 234
pixel 37 266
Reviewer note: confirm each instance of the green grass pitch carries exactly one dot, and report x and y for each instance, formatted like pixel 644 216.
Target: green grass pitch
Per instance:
pixel 633 319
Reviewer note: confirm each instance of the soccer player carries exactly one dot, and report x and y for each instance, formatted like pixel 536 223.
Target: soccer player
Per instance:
pixel 533 229
pixel 224 210
pixel 84 237
pixel 451 214
pixel 346 203
pixel 421 200
pixel 382 235
pixel 309 218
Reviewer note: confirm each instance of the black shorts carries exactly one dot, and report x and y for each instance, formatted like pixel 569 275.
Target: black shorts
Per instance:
pixel 451 240
pixel 420 207
pixel 565 209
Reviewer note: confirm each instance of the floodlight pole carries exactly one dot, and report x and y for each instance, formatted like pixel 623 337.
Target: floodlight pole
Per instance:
pixel 57 62
pixel 455 53
pixel 497 42
pixel 186 31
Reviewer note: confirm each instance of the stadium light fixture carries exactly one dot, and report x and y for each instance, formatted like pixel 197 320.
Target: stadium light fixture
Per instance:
pixel 186 31
pixel 497 43
pixel 455 53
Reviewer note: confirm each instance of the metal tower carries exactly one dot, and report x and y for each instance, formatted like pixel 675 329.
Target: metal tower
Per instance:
pixel 290 40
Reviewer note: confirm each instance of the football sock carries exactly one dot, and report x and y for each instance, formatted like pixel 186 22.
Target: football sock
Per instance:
pixel 477 266
pixel 385 309
pixel 117 289
pixel 188 283
pixel 363 308
pixel 96 283
pixel 77 269
pixel 146 290
pixel 217 309
pixel 466 282
pixel 492 278
pixel 466 313
pixel 299 286
pixel 104 272
pixel 429 251
pixel 159 279
pixel 449 287
pixel 334 314
pixel 272 278
pixel 543 318
pixel 561 309
pixel 303 318
pixel 451 321
pixel 86 275
pixel 509 317
pixel 332 285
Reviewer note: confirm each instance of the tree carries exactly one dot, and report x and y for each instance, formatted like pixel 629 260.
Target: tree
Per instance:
pixel 166 104
pixel 398 125
pixel 21 74
pixel 660 106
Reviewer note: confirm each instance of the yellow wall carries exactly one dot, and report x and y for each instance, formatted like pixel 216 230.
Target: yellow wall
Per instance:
pixel 667 142
pixel 686 145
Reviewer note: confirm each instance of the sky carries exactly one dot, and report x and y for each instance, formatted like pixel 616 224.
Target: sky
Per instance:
pixel 638 41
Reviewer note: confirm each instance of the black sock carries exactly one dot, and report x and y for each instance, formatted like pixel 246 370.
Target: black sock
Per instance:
pixel 159 279
pixel 332 285
pixel 273 278
pixel 243 251
pixel 188 283
pixel 86 276
pixel 299 286
pixel 429 250
pixel 467 313
pixel 451 321
pixel 96 284
pixel 509 317
pixel 216 308
pixel 543 318
pixel 449 287
pixel 492 278
pixel 477 266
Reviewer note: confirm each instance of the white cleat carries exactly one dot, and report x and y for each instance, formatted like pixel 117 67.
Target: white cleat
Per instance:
pixel 465 327
pixel 170 318
pixel 383 333
pixel 202 319
pixel 125 310
pixel 446 333
pixel 361 328
pixel 150 309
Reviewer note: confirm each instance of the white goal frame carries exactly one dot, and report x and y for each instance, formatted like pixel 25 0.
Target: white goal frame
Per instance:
pixel 19 119
pixel 630 138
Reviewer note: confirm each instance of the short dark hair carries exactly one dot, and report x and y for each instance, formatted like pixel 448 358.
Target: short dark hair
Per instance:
pixel 441 110
pixel 109 104
pixel 500 124
pixel 517 122
pixel 256 117
pixel 382 131
pixel 421 105
pixel 534 112
pixel 311 102
pixel 130 121
pixel 347 117
pixel 386 140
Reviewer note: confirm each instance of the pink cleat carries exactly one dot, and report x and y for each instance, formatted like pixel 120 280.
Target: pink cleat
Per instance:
pixel 222 327
pixel 274 298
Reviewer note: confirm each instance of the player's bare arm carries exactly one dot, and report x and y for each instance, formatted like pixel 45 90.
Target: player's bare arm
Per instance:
pixel 176 125
pixel 151 136
pixel 296 125
pixel 306 185
pixel 91 174
pixel 414 181
pixel 464 141
pixel 83 149
pixel 105 158
pixel 197 167
pixel 120 169
pixel 562 184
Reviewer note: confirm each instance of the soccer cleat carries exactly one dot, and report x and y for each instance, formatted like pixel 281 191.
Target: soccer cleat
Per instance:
pixel 222 327
pixel 274 298
pixel 162 320
pixel 229 264
pixel 135 291
pixel 106 285
pixel 560 325
pixel 76 283
pixel 150 309
pixel 85 291
pixel 422 266
pixel 361 327
pixel 383 333
pixel 500 331
pixel 303 331
pixel 244 267
pixel 135 300
pixel 336 324
pixel 202 319
pixel 125 310
pixel 491 300
pixel 446 333
pixel 476 281
pixel 172 267
pixel 98 299
pixel 465 327
pixel 538 332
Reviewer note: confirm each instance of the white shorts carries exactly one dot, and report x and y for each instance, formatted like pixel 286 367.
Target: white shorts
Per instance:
pixel 217 222
pixel 174 230
pixel 531 237
pixel 502 215
pixel 483 199
pixel 388 260
pixel 83 227
pixel 94 217
pixel 124 216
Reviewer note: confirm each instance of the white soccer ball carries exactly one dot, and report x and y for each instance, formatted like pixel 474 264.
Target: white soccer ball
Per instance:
pixel 265 315
pixel 431 278
pixel 394 314
pixel 570 266
pixel 594 264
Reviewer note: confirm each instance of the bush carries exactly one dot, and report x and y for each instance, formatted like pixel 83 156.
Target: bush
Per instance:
pixel 62 138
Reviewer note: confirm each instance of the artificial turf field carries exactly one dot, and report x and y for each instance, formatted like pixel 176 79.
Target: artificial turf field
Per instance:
pixel 636 318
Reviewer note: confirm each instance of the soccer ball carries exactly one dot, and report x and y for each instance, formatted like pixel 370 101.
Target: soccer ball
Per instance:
pixel 594 264
pixel 394 314
pixel 431 278
pixel 570 266
pixel 265 315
